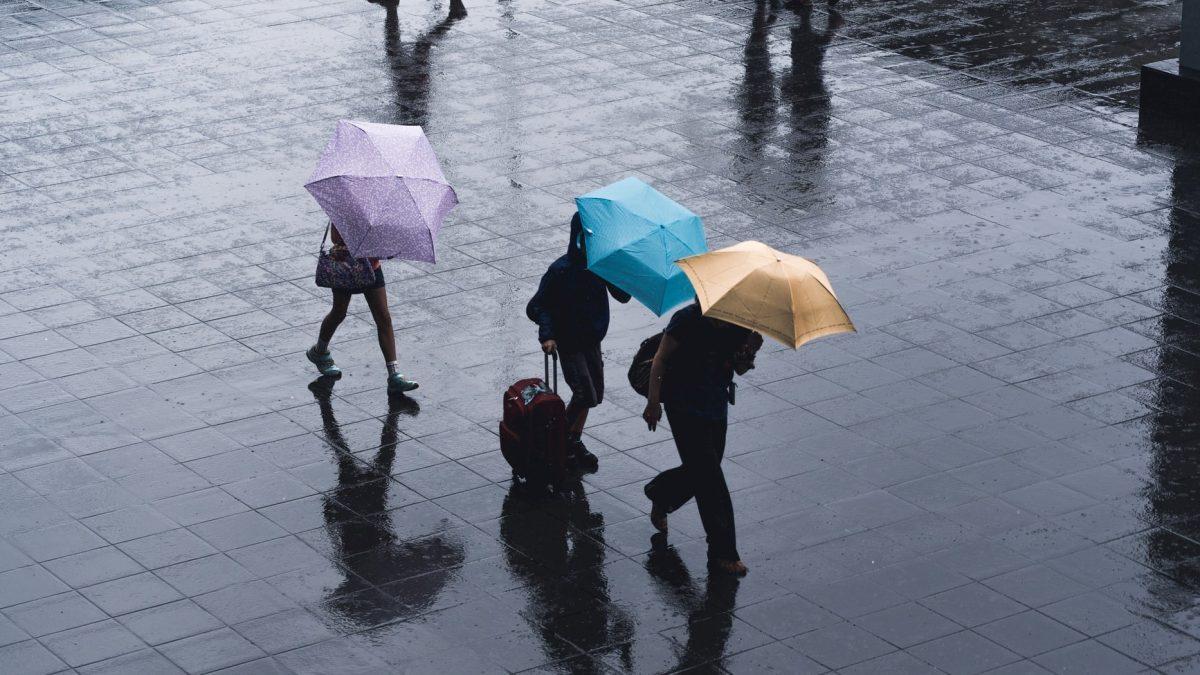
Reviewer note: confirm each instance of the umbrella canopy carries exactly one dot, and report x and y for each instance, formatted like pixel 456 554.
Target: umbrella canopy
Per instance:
pixel 633 235
pixel 755 286
pixel 383 189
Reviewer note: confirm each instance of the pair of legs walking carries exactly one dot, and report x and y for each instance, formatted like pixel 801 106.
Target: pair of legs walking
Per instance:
pixel 701 445
pixel 377 301
pixel 583 369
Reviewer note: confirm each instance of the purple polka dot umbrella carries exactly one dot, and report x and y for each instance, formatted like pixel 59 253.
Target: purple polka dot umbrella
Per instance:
pixel 384 190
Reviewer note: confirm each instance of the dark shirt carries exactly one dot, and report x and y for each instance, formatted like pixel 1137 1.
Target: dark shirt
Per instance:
pixel 699 373
pixel 571 303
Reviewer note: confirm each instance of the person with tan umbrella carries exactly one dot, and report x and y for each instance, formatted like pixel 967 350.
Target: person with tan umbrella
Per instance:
pixel 741 291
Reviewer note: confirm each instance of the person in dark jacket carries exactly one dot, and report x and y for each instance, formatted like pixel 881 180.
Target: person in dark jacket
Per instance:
pixel 571 311
pixel 692 374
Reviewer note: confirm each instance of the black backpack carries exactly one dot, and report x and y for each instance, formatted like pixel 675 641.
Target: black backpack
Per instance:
pixel 639 370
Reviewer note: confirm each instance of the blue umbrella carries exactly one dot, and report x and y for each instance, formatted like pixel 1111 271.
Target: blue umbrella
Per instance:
pixel 633 235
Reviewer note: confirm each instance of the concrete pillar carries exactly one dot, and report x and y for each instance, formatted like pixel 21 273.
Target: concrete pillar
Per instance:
pixel 1189 45
pixel 1170 94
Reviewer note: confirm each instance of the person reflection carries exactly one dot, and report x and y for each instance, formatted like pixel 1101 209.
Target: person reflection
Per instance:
pixel 409 65
pixel 360 529
pixel 803 89
pixel 756 98
pixel 1175 422
pixel 710 614
pixel 556 547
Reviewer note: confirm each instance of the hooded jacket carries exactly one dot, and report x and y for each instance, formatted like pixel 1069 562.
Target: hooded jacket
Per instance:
pixel 571 303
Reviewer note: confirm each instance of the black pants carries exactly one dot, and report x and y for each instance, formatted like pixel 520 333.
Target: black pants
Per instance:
pixel 701 445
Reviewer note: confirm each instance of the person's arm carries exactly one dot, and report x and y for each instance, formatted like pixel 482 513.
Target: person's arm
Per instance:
pixel 341 252
pixel 538 311
pixel 618 294
pixel 658 368
pixel 743 361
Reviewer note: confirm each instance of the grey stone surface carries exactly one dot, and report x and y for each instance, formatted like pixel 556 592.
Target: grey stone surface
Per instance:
pixel 997 471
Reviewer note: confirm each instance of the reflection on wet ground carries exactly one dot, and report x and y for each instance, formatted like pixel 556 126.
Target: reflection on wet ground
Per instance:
pixel 1029 44
pixel 358 523
pixel 997 472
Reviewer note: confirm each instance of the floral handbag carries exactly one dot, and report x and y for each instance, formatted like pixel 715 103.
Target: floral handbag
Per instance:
pixel 337 270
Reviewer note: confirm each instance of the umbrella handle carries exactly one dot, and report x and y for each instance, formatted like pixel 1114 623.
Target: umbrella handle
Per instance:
pixel 555 385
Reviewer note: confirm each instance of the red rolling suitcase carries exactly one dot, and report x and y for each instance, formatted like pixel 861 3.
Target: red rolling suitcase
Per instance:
pixel 533 434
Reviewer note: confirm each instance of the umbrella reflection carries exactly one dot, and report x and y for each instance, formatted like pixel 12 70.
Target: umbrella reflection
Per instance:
pixel 710 614
pixel 556 547
pixel 409 64
pixel 359 526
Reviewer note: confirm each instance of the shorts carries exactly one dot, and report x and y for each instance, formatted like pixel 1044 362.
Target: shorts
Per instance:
pixel 583 369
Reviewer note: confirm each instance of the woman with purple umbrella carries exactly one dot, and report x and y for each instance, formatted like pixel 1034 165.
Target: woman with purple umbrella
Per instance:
pixel 386 197
pixel 376 297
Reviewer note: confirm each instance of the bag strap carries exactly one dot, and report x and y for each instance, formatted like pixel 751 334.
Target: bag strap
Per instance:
pixel 326 235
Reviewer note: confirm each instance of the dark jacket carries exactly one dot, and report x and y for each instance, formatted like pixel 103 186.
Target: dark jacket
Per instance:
pixel 571 303
pixel 699 377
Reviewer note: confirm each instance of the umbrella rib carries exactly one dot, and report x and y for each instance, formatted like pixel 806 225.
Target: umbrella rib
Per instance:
pixel 346 181
pixel 793 290
pixel 371 144
pixel 651 225
pixel 404 180
pixel 679 239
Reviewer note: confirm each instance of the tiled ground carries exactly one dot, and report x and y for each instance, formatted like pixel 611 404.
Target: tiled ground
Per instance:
pixel 997 473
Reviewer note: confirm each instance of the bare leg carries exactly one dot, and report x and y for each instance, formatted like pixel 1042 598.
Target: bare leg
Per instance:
pixel 337 314
pixel 378 302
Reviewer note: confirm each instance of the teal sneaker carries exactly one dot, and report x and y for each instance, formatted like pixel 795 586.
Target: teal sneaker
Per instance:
pixel 323 362
pixel 398 385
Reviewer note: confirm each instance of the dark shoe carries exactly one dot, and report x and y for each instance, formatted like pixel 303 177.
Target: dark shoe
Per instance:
pixel 579 458
pixel 584 461
pixel 733 568
pixel 658 517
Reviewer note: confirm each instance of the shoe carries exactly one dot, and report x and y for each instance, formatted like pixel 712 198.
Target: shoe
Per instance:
pixel 579 457
pixel 658 515
pixel 735 568
pixel 398 385
pixel 323 362
pixel 658 518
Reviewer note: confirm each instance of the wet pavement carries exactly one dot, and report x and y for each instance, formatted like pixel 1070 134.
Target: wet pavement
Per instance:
pixel 998 472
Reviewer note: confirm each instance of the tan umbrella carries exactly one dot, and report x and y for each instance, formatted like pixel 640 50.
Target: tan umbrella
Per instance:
pixel 755 286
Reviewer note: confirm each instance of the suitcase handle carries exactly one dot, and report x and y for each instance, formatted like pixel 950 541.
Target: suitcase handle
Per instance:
pixel 555 385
